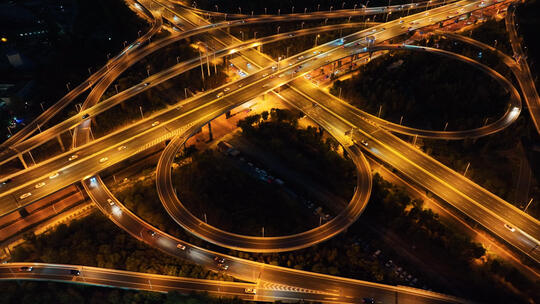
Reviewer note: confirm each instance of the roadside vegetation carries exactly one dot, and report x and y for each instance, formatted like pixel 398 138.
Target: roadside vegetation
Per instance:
pixel 427 90
pixel 96 241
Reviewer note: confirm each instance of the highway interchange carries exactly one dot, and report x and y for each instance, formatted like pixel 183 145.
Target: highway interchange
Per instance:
pixel 339 119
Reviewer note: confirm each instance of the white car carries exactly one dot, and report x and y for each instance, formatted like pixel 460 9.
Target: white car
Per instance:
pixel 27 194
pixel 155 123
pixel 121 148
pixel 39 185
pixel 181 247
pixel 250 290
pixel 226 89
pixel 103 159
pixel 72 157
pixel 54 175
pixel 110 201
pixel 509 227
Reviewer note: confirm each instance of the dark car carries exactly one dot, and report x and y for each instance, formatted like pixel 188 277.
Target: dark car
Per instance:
pixel 6 181
pixel 85 116
pixel 368 300
pixel 75 272
pixel 26 268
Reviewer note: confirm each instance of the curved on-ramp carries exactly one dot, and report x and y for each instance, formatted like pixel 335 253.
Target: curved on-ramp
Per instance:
pixel 510 115
pixel 214 235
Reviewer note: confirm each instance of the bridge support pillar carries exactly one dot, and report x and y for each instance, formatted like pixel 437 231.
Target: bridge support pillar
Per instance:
pixel 21 158
pixel 61 143
pixel 210 136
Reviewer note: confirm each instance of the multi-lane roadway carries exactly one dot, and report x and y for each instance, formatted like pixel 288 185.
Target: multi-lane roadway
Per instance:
pixel 332 114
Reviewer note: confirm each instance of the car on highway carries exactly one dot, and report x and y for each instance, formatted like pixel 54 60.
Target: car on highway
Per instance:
pixel 509 227
pixel 72 157
pixel 103 159
pixel 155 123
pixel 219 260
pixel 250 290
pixel 152 233
pixel 54 175
pixel 181 247
pixel 85 116
pixel 223 266
pixel 364 142
pixel 27 194
pixel 6 181
pixel 146 84
pixel 226 90
pixel 220 94
pixel 368 300
pixel 74 272
pixel 121 148
pixel 110 201
pixel 26 268
pixel 39 185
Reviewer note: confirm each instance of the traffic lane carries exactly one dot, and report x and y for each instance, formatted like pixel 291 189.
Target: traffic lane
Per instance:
pixel 481 215
pixel 40 215
pixel 431 165
pixel 330 46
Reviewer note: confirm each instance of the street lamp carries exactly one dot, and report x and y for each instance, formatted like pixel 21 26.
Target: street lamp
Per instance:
pixel 278 29
pixel 317 38
pixel 242 33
